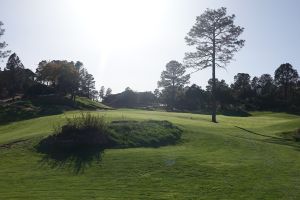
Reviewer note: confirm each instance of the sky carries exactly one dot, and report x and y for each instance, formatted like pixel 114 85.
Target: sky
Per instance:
pixel 127 43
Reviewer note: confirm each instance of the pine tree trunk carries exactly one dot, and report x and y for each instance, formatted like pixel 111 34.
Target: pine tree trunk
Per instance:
pixel 214 104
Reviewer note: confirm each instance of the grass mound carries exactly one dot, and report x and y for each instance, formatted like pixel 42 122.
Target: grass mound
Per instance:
pixel 150 133
pixel 92 132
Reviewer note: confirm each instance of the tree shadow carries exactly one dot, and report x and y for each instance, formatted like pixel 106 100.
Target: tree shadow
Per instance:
pixel 76 159
pixel 235 113
pixel 271 139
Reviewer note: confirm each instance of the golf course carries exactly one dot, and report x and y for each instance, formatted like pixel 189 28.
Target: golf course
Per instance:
pixel 238 158
pixel 149 100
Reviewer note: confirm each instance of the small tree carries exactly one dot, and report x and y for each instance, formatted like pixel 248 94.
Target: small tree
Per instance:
pixel 173 78
pixel 216 39
pixel 102 92
pixel 286 77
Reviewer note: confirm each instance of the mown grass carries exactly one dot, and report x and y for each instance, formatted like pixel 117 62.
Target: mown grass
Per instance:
pixel 237 158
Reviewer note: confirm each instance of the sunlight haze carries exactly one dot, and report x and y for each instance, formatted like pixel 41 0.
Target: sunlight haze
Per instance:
pixel 128 43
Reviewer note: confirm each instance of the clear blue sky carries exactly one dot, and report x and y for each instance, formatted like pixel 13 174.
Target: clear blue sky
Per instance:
pixel 127 43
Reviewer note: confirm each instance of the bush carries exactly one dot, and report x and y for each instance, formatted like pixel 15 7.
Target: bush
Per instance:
pixel 39 89
pixel 83 131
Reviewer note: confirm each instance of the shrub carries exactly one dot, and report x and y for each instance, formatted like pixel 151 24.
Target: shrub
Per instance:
pixel 83 131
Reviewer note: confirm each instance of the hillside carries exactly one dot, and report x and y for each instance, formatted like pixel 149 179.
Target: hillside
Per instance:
pixel 43 106
pixel 237 158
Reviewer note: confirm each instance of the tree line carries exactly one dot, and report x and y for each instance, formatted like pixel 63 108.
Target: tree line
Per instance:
pixel 280 92
pixel 60 77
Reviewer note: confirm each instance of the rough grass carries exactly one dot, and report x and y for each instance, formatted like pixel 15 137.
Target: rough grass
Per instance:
pixel 237 158
pixel 150 133
pixel 44 106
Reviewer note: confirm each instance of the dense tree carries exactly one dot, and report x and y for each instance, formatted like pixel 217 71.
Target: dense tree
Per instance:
pixel 242 87
pixel 3 53
pixel 108 92
pixel 266 85
pixel 172 79
pixel 68 79
pixel 62 75
pixel 15 75
pixel 86 83
pixel 223 94
pixel 286 78
pixel 195 98
pixel 130 99
pixel 216 39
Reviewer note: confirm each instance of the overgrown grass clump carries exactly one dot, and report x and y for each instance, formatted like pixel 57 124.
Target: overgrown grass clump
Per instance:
pixel 87 131
pixel 80 132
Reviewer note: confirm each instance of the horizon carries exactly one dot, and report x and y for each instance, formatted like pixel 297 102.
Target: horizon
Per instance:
pixel 147 41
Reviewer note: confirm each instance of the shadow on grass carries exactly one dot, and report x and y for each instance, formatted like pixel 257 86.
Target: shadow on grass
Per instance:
pixel 236 113
pixel 77 160
pixel 271 139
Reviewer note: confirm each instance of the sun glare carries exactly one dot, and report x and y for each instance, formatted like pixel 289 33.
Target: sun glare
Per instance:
pixel 120 24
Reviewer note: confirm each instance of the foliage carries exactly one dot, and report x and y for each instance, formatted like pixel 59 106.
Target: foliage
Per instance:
pixel 130 99
pixel 172 80
pixel 216 39
pixel 83 131
pixel 108 92
pixel 61 75
pixel 15 78
pixel 3 53
pixel 286 79
pixel 102 92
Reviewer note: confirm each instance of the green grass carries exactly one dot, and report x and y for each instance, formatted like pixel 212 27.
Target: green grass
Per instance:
pixel 44 106
pixel 237 158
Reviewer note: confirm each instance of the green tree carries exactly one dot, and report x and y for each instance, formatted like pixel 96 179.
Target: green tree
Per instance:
pixel 172 79
pixel 286 77
pixel 242 87
pixel 68 79
pixel 108 92
pixel 223 94
pixel 86 83
pixel 15 74
pixel 61 75
pixel 216 39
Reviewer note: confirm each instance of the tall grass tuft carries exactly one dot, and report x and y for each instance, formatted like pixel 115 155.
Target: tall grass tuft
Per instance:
pixel 87 121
